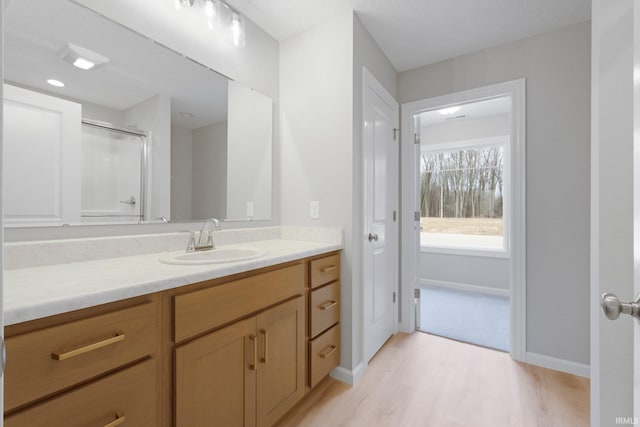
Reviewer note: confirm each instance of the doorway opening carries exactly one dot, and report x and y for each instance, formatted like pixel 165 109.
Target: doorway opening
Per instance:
pixel 467 169
pixel 463 196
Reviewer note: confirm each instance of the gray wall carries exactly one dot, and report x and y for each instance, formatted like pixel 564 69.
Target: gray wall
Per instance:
pixel 209 173
pixel 556 66
pixel 181 165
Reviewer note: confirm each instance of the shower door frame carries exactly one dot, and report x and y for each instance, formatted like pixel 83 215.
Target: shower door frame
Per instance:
pixel 144 154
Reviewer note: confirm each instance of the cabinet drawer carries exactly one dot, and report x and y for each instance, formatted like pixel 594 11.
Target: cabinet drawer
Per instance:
pixel 325 308
pixel 42 362
pixel 325 270
pixel 129 395
pixel 324 355
pixel 200 311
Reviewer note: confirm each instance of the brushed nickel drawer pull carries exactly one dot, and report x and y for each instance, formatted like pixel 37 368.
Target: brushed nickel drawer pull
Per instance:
pixel 332 348
pixel 328 269
pixel 266 348
pixel 253 339
pixel 327 304
pixel 88 348
pixel 119 420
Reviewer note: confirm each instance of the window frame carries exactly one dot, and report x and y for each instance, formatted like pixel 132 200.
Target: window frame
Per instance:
pixel 470 250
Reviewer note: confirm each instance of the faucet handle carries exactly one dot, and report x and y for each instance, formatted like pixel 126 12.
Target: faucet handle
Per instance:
pixel 210 238
pixel 191 246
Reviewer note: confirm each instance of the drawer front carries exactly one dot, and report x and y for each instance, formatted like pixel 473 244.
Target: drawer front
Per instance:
pixel 325 270
pixel 44 361
pixel 200 311
pixel 324 355
pixel 325 308
pixel 128 396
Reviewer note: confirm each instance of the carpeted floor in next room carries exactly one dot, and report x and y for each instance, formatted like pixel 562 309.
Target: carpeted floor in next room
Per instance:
pixel 471 317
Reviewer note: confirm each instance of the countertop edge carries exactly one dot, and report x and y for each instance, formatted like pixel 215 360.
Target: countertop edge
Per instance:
pixel 18 313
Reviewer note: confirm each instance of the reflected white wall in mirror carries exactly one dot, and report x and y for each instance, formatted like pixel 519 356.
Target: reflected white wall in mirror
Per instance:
pixel 193 169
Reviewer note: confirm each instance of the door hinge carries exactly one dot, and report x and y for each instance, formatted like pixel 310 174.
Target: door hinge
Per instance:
pixel 416 138
pixel 395 133
pixel 394 216
pixel 394 297
pixel 416 293
pixel 416 216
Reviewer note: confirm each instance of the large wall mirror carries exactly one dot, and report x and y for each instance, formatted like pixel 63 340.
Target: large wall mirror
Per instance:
pixel 145 135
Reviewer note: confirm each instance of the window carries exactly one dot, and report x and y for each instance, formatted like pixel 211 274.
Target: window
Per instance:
pixel 462 196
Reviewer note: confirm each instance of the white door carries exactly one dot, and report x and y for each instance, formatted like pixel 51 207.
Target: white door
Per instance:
pixel 615 211
pixel 41 150
pixel 380 190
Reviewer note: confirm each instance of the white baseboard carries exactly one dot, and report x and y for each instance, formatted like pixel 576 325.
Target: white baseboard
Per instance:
pixel 579 369
pixel 345 375
pixel 465 287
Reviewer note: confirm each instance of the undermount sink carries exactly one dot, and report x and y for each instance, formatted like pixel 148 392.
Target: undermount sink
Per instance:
pixel 213 256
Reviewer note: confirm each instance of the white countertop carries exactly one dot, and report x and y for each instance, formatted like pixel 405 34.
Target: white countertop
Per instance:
pixel 32 293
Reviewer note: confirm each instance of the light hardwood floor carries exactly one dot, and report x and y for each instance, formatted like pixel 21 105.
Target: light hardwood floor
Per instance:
pixel 422 380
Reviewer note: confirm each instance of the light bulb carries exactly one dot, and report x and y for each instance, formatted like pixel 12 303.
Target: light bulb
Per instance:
pixel 237 31
pixel 56 83
pixel 210 9
pixel 448 111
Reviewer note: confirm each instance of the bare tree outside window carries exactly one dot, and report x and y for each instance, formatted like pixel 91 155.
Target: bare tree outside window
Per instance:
pixel 462 194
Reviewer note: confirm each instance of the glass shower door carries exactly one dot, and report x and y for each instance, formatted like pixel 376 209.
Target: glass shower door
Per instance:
pixel 113 162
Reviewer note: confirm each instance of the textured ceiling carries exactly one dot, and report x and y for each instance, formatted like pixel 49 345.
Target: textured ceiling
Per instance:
pixel 414 33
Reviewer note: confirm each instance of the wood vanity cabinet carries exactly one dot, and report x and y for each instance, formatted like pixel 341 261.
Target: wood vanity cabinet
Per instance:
pixel 96 366
pixel 324 317
pixel 240 350
pixel 251 372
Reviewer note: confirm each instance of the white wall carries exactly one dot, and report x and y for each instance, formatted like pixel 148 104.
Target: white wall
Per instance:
pixel 154 115
pixel 485 272
pixel 209 173
pixel 321 151
pixel 316 145
pixel 249 161
pixel 557 68
pixel 103 114
pixel 181 173
pixel 466 129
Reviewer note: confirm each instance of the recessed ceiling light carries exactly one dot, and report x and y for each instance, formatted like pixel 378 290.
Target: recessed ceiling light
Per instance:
pixel 448 111
pixel 187 115
pixel 82 57
pixel 84 64
pixel 56 83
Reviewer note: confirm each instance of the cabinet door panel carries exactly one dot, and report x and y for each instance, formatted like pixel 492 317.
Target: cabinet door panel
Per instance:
pixel 281 360
pixel 215 385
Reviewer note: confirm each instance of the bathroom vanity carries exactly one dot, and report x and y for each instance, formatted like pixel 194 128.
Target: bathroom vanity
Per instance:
pixel 234 349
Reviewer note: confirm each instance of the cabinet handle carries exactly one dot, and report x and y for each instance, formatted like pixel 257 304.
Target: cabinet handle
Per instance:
pixel 253 339
pixel 266 347
pixel 328 269
pixel 119 420
pixel 88 348
pixel 331 348
pixel 327 304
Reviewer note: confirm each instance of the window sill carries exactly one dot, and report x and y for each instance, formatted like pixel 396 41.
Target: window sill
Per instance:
pixel 476 251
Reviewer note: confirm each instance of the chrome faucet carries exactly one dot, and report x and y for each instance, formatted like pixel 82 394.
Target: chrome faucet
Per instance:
pixel 205 240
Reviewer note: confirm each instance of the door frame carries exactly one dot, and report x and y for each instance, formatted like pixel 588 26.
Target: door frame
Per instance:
pixel 516 215
pixel 369 81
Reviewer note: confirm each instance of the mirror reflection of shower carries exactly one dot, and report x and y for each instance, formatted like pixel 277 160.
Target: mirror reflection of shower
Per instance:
pixel 114 165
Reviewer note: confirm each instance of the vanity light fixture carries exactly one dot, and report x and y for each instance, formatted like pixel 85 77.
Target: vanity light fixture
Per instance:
pixel 237 30
pixel 82 57
pixel 56 83
pixel 215 14
pixel 448 111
